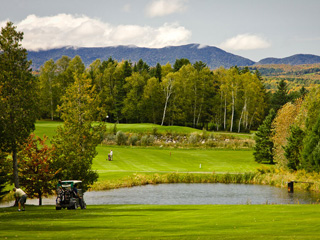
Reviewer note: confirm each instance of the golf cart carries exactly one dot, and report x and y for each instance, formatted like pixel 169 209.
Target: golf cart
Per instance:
pixel 67 197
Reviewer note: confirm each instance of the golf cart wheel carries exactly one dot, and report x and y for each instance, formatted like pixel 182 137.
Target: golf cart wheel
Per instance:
pixel 58 208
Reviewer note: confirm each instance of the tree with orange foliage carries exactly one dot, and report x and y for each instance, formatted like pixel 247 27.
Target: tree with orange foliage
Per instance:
pixel 36 172
pixel 286 116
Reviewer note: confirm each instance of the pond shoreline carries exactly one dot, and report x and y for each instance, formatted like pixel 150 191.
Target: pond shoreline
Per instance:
pixel 191 194
pixel 255 178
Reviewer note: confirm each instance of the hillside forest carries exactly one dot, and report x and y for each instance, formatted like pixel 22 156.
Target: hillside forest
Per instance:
pixel 184 94
pixel 296 76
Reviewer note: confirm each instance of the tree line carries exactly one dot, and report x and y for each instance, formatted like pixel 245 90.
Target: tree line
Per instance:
pixel 183 94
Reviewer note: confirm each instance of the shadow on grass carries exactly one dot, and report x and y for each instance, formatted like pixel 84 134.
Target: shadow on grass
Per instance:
pixel 45 213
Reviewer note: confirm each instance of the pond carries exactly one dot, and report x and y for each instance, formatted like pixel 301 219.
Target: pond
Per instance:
pixel 194 194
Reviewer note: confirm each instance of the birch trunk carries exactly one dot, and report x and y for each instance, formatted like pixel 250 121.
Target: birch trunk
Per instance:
pixel 232 111
pixel 168 92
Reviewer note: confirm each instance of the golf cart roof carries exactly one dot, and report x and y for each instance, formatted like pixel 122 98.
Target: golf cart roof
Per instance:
pixel 71 181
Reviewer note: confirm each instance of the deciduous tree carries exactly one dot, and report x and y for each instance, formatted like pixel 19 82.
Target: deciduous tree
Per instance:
pixel 167 85
pixel 286 116
pixel 36 168
pixel 75 142
pixel 49 89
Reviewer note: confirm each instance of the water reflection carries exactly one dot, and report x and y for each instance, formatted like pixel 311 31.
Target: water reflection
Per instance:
pixel 200 194
pixel 194 194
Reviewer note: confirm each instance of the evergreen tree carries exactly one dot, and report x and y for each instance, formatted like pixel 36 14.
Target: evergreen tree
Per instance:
pixel 127 69
pixel 199 65
pixel 264 145
pixel 121 92
pixel 179 63
pixel 303 91
pixel 158 71
pixel 294 147
pixel 311 149
pixel 18 103
pixel 280 97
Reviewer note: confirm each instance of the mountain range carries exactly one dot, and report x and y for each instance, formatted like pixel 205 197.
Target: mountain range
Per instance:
pixel 214 57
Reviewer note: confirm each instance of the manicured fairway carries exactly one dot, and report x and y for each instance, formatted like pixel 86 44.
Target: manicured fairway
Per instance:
pixel 130 160
pixel 135 160
pixel 163 222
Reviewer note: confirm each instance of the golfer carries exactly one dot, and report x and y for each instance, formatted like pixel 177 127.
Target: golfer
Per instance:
pixel 21 197
pixel 111 155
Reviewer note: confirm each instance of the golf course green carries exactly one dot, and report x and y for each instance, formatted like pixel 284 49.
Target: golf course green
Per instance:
pixel 162 221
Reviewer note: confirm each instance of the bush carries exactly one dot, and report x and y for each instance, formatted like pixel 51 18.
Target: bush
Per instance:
pixel 147 140
pixel 155 131
pixel 133 140
pixel 193 138
pixel 109 137
pixel 121 138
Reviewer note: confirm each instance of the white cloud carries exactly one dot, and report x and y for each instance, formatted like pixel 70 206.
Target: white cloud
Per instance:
pixel 81 31
pixel 160 8
pixel 245 42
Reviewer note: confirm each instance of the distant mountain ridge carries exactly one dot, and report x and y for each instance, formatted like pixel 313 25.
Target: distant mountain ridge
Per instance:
pixel 297 59
pixel 214 57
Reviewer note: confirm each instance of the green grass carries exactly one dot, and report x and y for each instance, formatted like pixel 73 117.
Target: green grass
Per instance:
pixel 148 127
pixel 128 160
pixel 48 128
pixel 163 222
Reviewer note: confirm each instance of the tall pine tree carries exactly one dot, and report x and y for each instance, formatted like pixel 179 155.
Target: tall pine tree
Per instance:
pixel 17 94
pixel 280 97
pixel 263 150
pixel 294 147
pixel 311 150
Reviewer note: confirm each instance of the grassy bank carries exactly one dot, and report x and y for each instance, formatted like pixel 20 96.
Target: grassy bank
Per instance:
pixel 163 222
pixel 156 178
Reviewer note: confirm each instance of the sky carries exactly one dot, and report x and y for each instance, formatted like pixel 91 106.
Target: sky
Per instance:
pixel 253 29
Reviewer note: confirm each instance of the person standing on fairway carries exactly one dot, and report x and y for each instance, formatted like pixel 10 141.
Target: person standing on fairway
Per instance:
pixel 21 197
pixel 111 155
